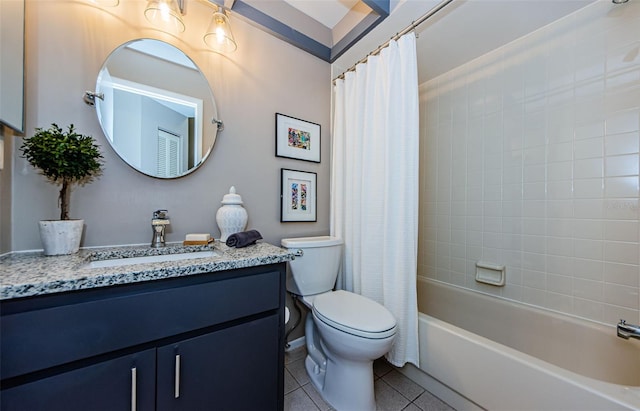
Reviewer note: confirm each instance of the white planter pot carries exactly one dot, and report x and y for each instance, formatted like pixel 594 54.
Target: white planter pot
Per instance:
pixel 60 237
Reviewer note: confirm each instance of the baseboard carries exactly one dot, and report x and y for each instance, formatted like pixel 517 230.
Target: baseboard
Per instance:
pixel 435 387
pixel 295 344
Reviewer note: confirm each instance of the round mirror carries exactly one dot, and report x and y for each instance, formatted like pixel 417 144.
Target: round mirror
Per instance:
pixel 156 108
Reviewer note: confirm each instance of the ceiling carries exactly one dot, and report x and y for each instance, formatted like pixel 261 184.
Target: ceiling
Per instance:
pixel 324 28
pixel 459 32
pixel 329 13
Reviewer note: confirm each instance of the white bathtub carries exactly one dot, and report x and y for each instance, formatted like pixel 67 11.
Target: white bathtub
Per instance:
pixel 477 351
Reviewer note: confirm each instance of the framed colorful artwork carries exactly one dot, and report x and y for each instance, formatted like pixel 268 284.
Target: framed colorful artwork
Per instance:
pixel 297 138
pixel 297 196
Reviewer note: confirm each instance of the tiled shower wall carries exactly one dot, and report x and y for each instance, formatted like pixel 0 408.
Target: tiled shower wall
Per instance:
pixel 530 159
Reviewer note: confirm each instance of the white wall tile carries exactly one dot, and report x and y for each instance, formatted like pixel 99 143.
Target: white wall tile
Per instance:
pixel 621 295
pixel 588 290
pixel 585 188
pixel 589 129
pixel 560 246
pixel 588 168
pixel 589 148
pixel 620 208
pixel 560 209
pixel 559 152
pixel 534 191
pixel 560 265
pixel 534 244
pixel 559 171
pixel 616 230
pixel 622 187
pixel 534 279
pixel 590 115
pixel 559 190
pixel 588 208
pixel 626 143
pixel 587 229
pixel 588 269
pixel 557 227
pixel 534 226
pixel 533 261
pixel 558 302
pixel 619 252
pixel 624 274
pixel 592 249
pixel 623 122
pixel 621 165
pixel 539 168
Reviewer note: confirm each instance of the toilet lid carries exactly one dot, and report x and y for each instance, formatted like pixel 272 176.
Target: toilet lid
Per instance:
pixel 354 314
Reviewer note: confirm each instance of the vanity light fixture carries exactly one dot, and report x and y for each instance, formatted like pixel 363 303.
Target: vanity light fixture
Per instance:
pixel 218 35
pixel 166 14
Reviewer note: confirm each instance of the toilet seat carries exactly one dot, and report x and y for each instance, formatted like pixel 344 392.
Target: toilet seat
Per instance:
pixel 354 314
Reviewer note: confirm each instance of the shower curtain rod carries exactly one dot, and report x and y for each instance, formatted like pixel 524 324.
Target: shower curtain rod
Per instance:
pixel 406 30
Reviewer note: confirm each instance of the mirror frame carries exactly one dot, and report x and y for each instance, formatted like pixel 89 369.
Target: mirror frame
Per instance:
pixel 204 107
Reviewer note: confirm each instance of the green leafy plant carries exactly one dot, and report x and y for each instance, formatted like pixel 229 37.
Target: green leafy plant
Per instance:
pixel 65 158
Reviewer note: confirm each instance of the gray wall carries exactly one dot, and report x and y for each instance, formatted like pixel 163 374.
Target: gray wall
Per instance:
pixel 66 44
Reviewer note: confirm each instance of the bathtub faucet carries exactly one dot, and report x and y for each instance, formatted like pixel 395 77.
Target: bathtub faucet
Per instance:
pixel 627 331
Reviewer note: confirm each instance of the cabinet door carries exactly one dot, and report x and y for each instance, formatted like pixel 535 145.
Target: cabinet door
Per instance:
pixel 236 368
pixel 124 383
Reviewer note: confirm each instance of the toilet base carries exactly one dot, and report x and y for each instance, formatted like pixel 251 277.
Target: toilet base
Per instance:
pixel 346 386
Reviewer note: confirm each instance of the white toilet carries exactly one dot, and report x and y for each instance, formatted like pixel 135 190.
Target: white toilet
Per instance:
pixel 345 332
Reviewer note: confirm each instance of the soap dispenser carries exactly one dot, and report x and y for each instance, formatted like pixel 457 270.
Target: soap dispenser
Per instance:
pixel 231 217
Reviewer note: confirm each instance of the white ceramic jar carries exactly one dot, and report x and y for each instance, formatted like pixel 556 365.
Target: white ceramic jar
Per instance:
pixel 231 217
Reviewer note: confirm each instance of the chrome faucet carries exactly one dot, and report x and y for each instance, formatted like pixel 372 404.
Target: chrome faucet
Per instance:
pixel 159 222
pixel 627 331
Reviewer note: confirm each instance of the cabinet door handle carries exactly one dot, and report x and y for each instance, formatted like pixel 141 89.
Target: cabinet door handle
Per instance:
pixel 177 377
pixel 133 389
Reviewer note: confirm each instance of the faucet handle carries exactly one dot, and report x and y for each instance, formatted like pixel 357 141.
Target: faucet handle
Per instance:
pixel 160 214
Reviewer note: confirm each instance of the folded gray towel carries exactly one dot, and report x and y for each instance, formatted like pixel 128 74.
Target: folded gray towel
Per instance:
pixel 243 238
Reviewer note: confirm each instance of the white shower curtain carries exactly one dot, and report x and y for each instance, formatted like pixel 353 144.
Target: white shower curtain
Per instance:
pixel 374 190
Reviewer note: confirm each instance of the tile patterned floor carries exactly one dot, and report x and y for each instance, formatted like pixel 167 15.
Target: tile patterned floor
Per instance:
pixel 394 391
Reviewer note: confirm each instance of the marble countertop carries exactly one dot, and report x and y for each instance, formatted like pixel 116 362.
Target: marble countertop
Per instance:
pixel 31 274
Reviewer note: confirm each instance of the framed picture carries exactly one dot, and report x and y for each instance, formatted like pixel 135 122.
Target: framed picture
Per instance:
pixel 298 196
pixel 297 138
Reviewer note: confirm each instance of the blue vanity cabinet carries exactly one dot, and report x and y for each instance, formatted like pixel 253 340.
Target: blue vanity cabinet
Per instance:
pixel 209 341
pixel 237 375
pixel 115 384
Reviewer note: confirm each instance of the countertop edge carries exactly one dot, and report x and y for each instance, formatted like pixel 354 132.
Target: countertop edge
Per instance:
pixel 69 273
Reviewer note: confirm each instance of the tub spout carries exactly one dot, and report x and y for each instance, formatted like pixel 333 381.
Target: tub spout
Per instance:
pixel 627 331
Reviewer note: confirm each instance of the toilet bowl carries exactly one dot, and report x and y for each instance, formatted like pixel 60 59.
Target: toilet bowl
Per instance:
pixel 344 332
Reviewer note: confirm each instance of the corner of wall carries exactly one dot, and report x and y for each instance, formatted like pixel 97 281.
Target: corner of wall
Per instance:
pixel 6 144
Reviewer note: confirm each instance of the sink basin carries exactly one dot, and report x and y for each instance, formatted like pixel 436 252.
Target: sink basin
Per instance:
pixel 118 262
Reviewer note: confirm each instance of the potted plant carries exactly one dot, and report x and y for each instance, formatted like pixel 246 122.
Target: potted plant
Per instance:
pixel 65 158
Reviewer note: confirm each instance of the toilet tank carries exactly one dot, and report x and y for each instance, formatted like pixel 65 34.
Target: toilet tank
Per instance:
pixel 316 270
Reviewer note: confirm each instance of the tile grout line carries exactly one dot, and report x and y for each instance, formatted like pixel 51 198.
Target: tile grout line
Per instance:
pixel 383 371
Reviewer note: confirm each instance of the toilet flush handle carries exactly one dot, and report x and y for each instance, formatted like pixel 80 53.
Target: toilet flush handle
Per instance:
pixel 299 252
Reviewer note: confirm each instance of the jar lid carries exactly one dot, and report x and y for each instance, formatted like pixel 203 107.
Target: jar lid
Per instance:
pixel 232 197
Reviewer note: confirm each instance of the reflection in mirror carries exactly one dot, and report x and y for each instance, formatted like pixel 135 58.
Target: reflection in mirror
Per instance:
pixel 156 108
pixel 12 64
